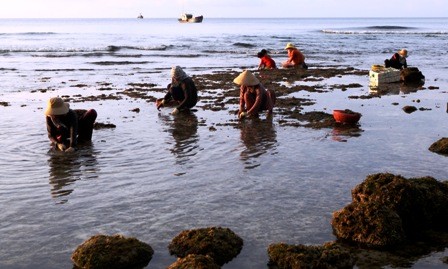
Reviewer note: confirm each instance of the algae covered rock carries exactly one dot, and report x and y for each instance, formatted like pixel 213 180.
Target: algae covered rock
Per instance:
pixel 194 261
pixel 440 146
pixel 387 210
pixel 112 252
pixel 330 255
pixel 221 244
pixel 369 224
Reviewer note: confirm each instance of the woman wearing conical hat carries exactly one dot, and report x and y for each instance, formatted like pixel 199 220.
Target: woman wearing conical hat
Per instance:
pixel 295 57
pixel 67 127
pixel 254 98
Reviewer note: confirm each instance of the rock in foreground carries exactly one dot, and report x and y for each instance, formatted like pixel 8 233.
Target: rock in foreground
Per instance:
pixel 112 252
pixel 389 210
pixel 221 244
pixel 330 255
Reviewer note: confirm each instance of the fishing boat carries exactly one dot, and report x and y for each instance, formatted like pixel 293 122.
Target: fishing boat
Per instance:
pixel 140 16
pixel 189 18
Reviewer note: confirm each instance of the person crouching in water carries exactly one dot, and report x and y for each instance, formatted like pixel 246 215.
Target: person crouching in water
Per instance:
pixel 266 62
pixel 254 98
pixel 182 92
pixel 398 60
pixel 67 127
pixel 295 57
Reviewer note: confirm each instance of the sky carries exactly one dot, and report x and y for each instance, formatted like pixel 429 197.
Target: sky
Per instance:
pixel 222 8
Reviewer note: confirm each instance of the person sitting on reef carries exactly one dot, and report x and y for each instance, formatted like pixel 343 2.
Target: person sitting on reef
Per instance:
pixel 67 127
pixel 266 62
pixel 398 60
pixel 182 92
pixel 295 57
pixel 254 98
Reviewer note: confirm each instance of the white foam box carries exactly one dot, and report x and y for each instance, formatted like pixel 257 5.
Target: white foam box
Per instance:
pixel 387 75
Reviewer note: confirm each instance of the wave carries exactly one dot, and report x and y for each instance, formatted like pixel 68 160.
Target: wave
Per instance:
pixel 28 33
pixel 384 32
pixel 389 27
pixel 107 49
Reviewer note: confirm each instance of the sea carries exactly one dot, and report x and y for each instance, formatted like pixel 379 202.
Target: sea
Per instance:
pixel 156 174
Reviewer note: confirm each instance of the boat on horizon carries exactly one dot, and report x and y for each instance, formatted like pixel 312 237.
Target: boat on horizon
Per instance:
pixel 185 17
pixel 140 16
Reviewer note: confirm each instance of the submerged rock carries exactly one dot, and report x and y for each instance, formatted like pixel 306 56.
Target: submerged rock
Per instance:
pixel 440 146
pixel 409 109
pixel 330 255
pixel 194 261
pixel 221 244
pixel 388 210
pixel 112 252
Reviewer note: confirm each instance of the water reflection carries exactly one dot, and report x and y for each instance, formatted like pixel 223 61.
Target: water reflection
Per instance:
pixel 66 168
pixel 183 127
pixel 342 132
pixel 396 88
pixel 259 137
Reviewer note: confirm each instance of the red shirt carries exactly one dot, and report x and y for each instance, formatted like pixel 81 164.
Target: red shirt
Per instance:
pixel 267 62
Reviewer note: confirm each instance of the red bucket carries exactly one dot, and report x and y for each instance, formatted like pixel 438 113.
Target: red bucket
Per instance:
pixel 346 116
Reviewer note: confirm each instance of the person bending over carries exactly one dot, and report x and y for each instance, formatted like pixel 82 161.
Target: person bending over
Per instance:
pixel 67 127
pixel 398 60
pixel 182 92
pixel 254 98
pixel 266 62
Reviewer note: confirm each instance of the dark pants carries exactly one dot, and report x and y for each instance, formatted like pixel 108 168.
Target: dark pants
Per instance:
pixel 178 95
pixel 86 119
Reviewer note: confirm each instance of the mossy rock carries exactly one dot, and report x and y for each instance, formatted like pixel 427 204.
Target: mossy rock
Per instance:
pixel 194 261
pixel 383 202
pixel 330 255
pixel 421 203
pixel 440 146
pixel 368 224
pixel 112 252
pixel 221 244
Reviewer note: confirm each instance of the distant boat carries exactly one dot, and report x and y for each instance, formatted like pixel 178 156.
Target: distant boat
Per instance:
pixel 189 18
pixel 140 16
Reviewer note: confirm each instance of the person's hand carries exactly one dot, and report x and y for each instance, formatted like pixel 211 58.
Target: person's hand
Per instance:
pixel 242 115
pixel 70 149
pixel 160 103
pixel 61 146
pixel 175 111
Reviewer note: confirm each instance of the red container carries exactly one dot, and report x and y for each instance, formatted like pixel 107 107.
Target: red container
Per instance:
pixel 346 116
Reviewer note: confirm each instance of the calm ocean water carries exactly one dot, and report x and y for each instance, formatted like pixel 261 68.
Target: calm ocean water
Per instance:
pixel 156 175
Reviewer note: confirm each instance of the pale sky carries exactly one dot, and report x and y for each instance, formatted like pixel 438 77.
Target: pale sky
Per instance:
pixel 222 8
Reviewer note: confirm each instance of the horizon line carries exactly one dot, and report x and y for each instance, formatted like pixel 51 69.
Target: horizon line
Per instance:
pixel 373 17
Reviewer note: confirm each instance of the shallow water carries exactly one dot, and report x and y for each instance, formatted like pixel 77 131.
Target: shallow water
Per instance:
pixel 155 175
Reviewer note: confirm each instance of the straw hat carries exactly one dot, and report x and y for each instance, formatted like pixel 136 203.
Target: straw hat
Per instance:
pixel 56 106
pixel 246 78
pixel 403 53
pixel 290 46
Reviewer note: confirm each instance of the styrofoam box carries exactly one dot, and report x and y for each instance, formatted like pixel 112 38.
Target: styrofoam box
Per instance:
pixel 388 75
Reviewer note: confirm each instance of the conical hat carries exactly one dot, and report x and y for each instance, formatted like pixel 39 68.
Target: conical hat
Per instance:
pixel 247 79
